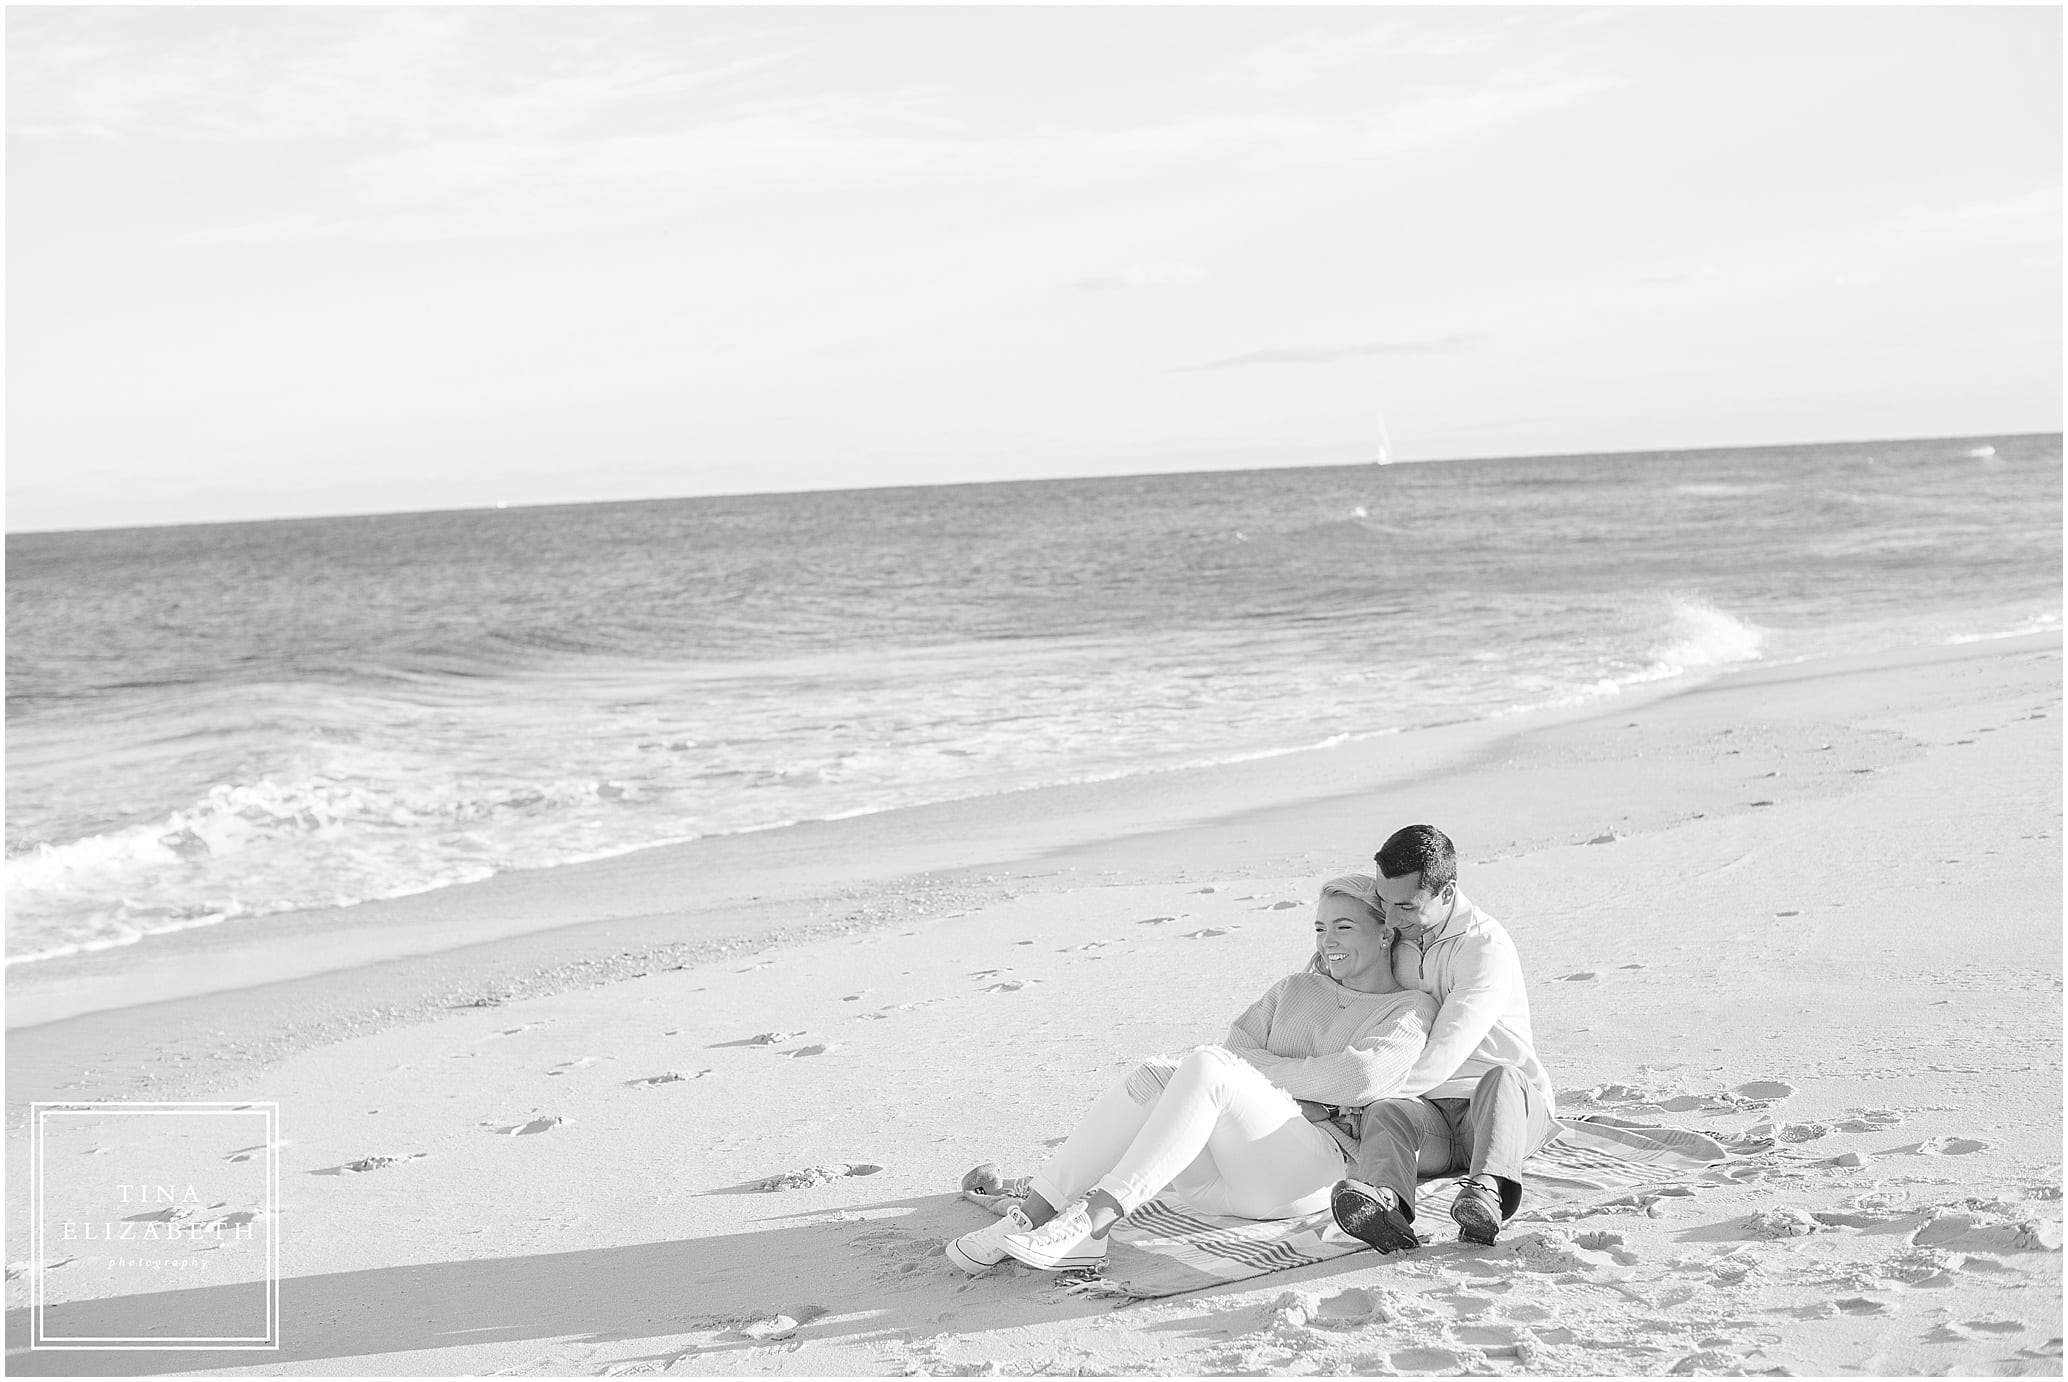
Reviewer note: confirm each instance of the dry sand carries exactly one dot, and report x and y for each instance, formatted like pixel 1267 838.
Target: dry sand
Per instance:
pixel 1839 879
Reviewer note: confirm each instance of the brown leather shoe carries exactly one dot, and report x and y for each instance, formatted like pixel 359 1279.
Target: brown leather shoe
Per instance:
pixel 1371 1214
pixel 1477 1210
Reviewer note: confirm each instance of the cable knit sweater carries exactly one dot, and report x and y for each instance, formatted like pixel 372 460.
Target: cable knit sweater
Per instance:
pixel 1328 1044
pixel 1469 966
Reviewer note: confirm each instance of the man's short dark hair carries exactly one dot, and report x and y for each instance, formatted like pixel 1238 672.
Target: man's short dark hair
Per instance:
pixel 1420 849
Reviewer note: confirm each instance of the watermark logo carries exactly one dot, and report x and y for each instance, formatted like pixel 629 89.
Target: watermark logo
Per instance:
pixel 157 1223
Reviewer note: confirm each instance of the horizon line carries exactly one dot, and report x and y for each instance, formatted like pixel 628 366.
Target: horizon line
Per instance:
pixel 1015 480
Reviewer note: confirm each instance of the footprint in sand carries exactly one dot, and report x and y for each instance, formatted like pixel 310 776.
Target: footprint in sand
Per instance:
pixel 809 1176
pixel 367 1163
pixel 770 1329
pixel 1583 975
pixel 1153 921
pixel 1782 1221
pixel 1685 1103
pixel 1950 1146
pixel 545 1123
pixel 1764 1090
pixel 1870 1120
pixel 1007 986
pixel 1275 907
pixel 759 1039
pixel 1207 932
pixel 174 1213
pixel 1953 1332
pixel 18 1269
pixel 583 1064
pixel 666 1077
pixel 1922 1269
pixel 513 1031
pixel 1803 1132
pixel 985 973
pixel 1345 1309
pixel 1707 1362
pixel 1976 1232
pixel 818 1049
pixel 1426 1360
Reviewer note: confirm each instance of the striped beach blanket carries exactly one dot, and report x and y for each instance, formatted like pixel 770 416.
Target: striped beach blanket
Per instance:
pixel 1165 1248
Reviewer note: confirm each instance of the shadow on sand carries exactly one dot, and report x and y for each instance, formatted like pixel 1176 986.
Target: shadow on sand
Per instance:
pixel 878 1274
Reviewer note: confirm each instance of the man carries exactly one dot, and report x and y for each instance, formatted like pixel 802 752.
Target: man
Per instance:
pixel 1477 1099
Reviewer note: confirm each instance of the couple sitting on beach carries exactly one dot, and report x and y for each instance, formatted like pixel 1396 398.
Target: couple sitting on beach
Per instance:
pixel 1402 1050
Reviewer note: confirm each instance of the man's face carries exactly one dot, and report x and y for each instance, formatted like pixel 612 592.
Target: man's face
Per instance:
pixel 1412 908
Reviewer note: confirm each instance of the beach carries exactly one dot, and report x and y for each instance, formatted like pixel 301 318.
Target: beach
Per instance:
pixel 525 1125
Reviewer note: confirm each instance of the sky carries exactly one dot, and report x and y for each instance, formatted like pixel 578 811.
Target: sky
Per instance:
pixel 282 261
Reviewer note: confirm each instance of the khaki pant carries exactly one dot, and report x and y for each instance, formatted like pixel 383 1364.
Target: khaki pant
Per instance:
pixel 1491 1133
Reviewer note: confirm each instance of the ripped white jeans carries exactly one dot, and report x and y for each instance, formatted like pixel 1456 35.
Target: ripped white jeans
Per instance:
pixel 1211 1128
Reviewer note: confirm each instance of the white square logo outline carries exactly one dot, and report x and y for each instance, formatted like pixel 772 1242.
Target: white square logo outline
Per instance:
pixel 40 1112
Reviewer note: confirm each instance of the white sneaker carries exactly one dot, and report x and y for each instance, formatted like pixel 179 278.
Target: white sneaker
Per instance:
pixel 1063 1243
pixel 980 1251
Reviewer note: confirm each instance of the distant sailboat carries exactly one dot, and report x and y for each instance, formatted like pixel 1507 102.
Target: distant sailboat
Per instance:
pixel 1385 442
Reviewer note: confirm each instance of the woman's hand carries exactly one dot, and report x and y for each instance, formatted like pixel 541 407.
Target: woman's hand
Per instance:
pixel 1315 1113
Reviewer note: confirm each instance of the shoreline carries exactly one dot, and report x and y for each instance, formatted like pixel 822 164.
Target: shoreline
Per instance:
pixel 955 836
pixel 310 979
pixel 819 862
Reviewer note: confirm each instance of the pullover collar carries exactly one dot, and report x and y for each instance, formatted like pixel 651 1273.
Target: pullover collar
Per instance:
pixel 1455 925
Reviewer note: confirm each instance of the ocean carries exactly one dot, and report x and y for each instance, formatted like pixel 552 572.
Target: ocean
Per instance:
pixel 212 724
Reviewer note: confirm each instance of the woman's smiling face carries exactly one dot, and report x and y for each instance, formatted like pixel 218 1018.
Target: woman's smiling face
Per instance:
pixel 1355 948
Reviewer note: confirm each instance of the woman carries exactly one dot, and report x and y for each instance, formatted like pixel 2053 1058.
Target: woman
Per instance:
pixel 1234 1129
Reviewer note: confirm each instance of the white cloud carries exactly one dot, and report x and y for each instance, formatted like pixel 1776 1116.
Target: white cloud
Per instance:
pixel 1699 273
pixel 1329 355
pixel 447 121
pixel 1299 59
pixel 837 141
pixel 262 75
pixel 1145 276
pixel 2028 217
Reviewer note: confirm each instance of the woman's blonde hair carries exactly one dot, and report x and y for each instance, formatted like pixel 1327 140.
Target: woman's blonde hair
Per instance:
pixel 1360 888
